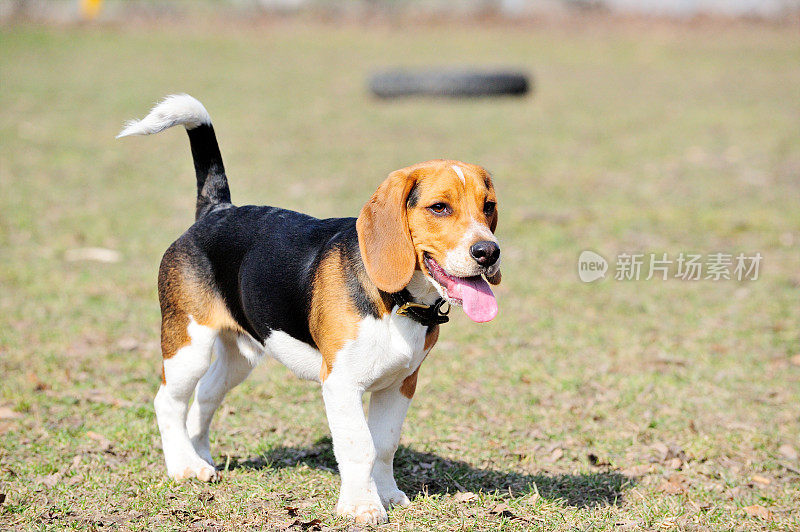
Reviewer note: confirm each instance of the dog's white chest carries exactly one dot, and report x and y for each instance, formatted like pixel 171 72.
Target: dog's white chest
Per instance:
pixel 386 350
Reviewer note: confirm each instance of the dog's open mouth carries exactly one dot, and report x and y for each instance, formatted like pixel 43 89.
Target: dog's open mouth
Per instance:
pixel 472 293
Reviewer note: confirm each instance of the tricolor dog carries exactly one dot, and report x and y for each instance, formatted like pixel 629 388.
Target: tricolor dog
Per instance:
pixel 352 303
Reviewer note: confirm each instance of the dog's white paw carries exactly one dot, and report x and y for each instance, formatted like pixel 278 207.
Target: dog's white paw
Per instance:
pixel 363 512
pixel 394 497
pixel 199 470
pixel 202 449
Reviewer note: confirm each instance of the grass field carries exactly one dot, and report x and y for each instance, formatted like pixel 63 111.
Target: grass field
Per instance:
pixel 617 404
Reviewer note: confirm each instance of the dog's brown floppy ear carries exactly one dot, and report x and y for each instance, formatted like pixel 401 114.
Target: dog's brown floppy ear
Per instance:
pixel 383 234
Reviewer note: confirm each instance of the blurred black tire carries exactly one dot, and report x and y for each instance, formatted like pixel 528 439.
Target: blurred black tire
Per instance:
pixel 448 83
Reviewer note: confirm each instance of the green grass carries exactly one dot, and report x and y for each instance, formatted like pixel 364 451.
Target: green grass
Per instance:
pixel 638 139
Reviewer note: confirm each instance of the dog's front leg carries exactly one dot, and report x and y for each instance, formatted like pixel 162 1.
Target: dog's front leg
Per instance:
pixel 354 450
pixel 387 411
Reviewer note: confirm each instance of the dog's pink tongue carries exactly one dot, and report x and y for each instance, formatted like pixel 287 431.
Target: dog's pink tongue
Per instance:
pixel 477 298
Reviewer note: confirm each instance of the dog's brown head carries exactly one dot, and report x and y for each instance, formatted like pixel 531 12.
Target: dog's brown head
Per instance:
pixel 438 217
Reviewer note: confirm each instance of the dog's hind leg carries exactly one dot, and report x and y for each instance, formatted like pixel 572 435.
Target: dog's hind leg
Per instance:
pixel 182 370
pixel 193 317
pixel 227 371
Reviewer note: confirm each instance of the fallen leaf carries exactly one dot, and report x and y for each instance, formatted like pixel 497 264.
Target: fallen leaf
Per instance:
pixel 75 480
pixel 661 450
pixel 670 360
pixel 503 510
pixel 314 524
pixel 103 397
pixel 757 510
pixel 127 344
pixel 291 510
pixel 181 513
pixel 557 454
pixel 7 413
pixel 92 254
pixel 671 456
pixel 674 485
pixel 464 496
pixel 596 461
pixel 38 385
pixel 669 523
pixel 674 463
pixel 761 480
pixel 638 470
pixel 787 451
pixel 103 443
pixel 790 467
pixel 701 507
pixel 734 493
pixel 738 425
pixel 49 480
pixel 2 498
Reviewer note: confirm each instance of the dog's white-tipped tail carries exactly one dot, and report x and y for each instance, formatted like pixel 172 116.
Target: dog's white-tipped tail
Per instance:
pixel 174 110
pixel 182 109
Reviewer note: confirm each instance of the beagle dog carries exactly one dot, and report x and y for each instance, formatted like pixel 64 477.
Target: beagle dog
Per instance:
pixel 352 303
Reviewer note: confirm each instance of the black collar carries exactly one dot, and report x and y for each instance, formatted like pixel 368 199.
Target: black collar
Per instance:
pixel 427 315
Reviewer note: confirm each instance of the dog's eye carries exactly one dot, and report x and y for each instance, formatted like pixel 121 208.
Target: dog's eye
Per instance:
pixel 488 208
pixel 440 209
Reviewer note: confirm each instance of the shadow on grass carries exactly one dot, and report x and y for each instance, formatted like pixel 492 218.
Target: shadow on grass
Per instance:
pixel 427 473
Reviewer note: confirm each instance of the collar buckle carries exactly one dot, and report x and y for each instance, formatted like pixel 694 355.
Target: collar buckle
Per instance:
pixel 427 315
pixel 403 310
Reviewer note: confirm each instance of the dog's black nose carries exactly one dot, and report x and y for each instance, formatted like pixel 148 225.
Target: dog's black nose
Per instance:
pixel 485 252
